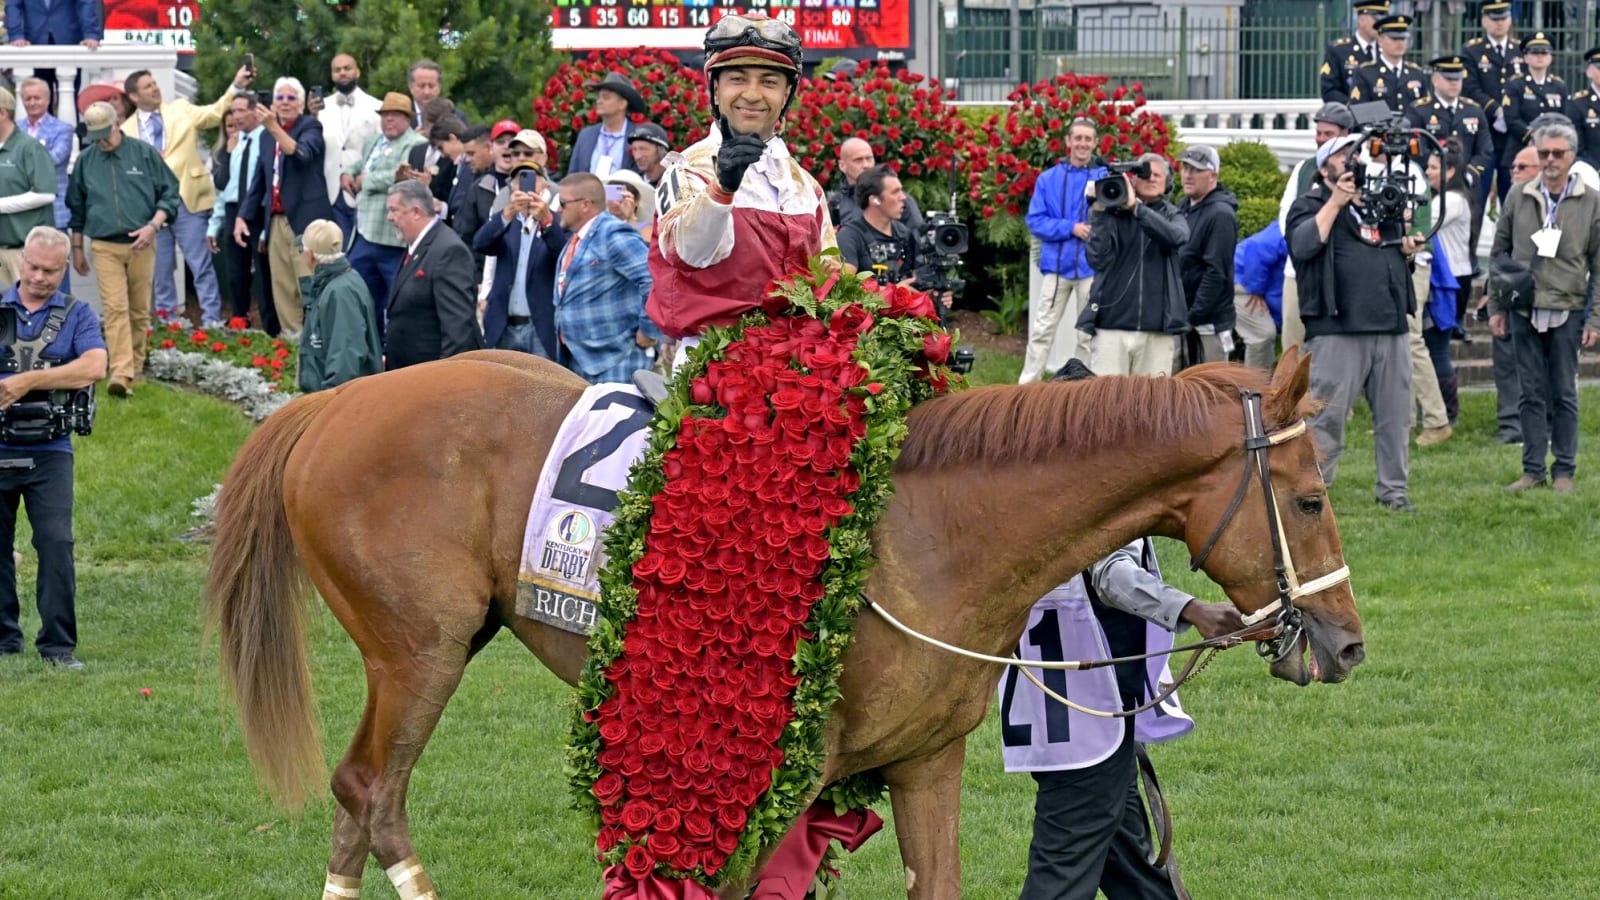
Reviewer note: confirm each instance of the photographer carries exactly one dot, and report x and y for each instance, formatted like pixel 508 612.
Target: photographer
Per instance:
pixel 1212 212
pixel 1551 226
pixel 1355 297
pixel 877 241
pixel 1136 305
pixel 51 349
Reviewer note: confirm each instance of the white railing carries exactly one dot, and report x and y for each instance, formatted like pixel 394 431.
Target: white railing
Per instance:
pixel 108 65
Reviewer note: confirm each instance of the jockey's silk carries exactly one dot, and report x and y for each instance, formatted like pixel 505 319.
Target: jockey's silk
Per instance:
pixel 1040 735
pixel 710 263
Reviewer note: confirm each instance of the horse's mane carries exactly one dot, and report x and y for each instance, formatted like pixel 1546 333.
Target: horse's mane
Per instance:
pixel 1007 424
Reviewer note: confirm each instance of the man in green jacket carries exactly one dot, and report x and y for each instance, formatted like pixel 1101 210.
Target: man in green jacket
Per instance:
pixel 135 195
pixel 1550 224
pixel 340 340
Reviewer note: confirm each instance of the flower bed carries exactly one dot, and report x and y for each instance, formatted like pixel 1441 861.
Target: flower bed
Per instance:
pixel 734 573
pixel 249 368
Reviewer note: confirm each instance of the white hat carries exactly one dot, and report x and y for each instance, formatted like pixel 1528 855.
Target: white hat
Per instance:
pixel 646 193
pixel 1326 151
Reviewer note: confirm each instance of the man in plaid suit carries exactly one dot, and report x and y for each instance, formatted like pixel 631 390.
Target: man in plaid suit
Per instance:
pixel 602 279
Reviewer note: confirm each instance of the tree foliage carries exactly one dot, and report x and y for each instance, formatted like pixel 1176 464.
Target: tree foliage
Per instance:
pixel 494 53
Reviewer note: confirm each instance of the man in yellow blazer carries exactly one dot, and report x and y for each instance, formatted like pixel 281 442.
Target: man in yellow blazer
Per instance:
pixel 174 130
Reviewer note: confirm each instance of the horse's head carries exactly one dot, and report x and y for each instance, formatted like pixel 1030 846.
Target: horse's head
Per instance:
pixel 1275 540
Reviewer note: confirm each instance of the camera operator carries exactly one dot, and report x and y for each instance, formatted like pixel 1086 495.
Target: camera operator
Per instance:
pixel 51 349
pixel 1212 212
pixel 1355 297
pixel 1551 225
pixel 877 241
pixel 1136 305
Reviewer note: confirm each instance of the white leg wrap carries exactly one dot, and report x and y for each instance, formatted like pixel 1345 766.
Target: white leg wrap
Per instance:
pixel 410 881
pixel 341 887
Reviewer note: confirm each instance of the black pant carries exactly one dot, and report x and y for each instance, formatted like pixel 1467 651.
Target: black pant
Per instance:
pixel 247 274
pixel 46 488
pixel 1547 369
pixel 1089 834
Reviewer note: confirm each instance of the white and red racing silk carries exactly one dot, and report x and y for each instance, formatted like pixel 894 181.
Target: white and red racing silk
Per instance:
pixel 711 262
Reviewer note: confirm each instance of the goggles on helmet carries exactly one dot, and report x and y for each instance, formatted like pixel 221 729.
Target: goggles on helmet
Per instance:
pixel 753 30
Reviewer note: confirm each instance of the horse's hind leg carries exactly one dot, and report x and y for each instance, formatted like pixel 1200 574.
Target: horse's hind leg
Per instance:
pixel 926 794
pixel 412 671
pixel 349 857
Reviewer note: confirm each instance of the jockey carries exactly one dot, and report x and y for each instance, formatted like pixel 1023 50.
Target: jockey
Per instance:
pixel 738 187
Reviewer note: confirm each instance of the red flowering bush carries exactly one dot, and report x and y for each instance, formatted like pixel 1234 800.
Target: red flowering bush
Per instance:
pixel 674 94
pixel 1010 151
pixel 733 576
pixel 233 344
pixel 903 115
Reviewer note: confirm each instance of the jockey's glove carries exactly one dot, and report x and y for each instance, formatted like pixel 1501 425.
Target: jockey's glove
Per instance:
pixel 737 154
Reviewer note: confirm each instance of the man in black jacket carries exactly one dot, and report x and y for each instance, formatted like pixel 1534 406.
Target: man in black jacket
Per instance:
pixel 1207 259
pixel 431 310
pixel 288 192
pixel 1136 305
pixel 877 242
pixel 1354 299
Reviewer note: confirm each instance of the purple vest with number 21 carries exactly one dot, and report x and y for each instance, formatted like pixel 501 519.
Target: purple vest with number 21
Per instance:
pixel 1039 734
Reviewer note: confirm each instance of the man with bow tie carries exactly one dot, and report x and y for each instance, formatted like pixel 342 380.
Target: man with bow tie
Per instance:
pixel 349 119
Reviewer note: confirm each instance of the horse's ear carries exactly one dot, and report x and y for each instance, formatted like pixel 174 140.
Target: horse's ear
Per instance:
pixel 1290 381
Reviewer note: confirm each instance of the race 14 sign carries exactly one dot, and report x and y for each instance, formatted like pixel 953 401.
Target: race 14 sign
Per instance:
pixel 165 23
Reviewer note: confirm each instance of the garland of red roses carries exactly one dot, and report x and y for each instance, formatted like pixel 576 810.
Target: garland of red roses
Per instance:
pixel 734 574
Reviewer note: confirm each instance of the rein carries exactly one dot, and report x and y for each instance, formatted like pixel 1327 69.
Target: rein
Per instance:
pixel 1275 639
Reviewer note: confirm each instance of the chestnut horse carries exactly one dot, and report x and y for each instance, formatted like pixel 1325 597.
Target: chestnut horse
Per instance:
pixel 1001 493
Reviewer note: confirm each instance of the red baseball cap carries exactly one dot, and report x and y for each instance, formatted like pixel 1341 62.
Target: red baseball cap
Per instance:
pixel 503 128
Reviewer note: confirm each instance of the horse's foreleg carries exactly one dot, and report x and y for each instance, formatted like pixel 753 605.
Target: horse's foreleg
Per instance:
pixel 926 794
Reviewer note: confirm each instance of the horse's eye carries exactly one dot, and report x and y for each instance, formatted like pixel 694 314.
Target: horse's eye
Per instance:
pixel 1311 506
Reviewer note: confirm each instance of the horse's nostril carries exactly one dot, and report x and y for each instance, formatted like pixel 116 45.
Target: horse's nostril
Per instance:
pixel 1353 654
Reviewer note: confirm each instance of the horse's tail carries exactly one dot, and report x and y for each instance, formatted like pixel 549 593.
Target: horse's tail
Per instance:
pixel 255 600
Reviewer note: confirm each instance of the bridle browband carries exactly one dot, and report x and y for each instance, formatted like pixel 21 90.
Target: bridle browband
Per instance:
pixel 1257 444
pixel 1274 641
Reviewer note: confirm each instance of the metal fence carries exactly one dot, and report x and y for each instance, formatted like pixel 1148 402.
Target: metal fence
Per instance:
pixel 1262 50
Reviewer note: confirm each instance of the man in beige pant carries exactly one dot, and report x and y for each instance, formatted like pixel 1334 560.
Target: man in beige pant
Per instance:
pixel 134 196
pixel 1425 393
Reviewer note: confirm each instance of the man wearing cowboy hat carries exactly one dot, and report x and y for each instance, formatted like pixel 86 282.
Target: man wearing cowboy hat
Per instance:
pixel 378 248
pixel 603 148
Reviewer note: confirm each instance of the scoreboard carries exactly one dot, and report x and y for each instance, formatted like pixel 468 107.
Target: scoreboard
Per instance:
pixel 165 23
pixel 874 29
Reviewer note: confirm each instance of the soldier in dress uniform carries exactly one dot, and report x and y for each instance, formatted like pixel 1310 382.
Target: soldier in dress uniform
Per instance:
pixel 1447 114
pixel 1390 79
pixel 1583 108
pixel 1492 60
pixel 1341 57
pixel 1531 95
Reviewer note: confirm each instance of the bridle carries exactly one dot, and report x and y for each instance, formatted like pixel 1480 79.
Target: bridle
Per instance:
pixel 1258 442
pixel 1275 640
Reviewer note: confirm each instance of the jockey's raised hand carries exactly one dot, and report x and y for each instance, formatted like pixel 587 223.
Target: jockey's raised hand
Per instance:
pixel 737 153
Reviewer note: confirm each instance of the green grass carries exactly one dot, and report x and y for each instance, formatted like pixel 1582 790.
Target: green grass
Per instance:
pixel 1458 762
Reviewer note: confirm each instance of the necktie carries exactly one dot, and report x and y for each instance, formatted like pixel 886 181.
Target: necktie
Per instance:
pixel 158 133
pixel 245 146
pixel 1372 52
pixel 572 250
